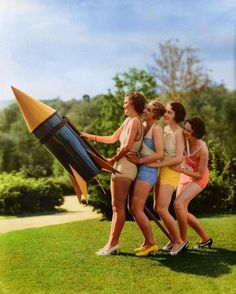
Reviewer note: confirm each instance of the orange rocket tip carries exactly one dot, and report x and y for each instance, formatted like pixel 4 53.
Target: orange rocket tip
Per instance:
pixel 80 184
pixel 34 111
pixel 76 188
pixel 102 163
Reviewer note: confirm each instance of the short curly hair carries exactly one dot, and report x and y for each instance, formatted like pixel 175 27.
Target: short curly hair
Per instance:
pixel 198 126
pixel 179 110
pixel 158 109
pixel 137 100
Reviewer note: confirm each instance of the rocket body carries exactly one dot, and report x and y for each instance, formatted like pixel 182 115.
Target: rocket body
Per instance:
pixel 61 140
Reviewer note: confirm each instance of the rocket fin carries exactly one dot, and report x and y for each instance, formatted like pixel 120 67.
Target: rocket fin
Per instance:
pixel 102 163
pixel 34 111
pixel 76 188
pixel 81 183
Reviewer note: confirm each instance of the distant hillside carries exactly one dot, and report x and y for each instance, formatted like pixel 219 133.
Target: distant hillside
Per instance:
pixel 5 103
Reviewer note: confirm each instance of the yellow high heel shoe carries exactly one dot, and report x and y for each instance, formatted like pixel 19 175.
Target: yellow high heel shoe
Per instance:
pixel 149 251
pixel 139 249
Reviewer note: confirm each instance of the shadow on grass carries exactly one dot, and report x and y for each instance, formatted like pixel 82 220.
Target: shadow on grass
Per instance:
pixel 212 263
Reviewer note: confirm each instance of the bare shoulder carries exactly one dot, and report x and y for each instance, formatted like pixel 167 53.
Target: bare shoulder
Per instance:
pixel 158 128
pixel 135 123
pixel 135 120
pixel 203 149
pixel 179 133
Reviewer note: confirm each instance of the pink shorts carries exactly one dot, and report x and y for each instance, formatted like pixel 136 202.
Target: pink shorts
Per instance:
pixel 202 182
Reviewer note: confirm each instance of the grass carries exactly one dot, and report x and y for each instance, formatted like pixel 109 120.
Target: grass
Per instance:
pixel 2 217
pixel 61 259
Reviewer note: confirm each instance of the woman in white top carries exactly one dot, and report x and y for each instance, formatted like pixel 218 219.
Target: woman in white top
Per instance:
pixel 130 135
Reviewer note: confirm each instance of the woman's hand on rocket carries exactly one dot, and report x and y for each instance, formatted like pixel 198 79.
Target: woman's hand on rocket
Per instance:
pixel 111 161
pixel 87 136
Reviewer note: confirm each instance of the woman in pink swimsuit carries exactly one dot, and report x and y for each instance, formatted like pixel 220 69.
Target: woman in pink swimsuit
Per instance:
pixel 193 179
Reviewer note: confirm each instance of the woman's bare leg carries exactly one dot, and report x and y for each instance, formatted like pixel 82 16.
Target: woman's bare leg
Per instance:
pixel 163 200
pixel 181 203
pixel 119 192
pixel 140 194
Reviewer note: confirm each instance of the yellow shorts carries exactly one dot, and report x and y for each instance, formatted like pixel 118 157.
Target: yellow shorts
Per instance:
pixel 168 176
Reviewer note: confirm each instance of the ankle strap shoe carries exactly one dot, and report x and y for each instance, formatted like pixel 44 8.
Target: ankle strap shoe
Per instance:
pixel 201 245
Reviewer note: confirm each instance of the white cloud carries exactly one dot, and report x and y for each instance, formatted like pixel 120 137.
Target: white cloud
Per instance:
pixel 17 8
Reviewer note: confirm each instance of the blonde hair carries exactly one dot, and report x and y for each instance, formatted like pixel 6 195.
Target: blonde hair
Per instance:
pixel 158 109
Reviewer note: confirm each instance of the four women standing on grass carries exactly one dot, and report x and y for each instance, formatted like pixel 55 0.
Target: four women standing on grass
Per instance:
pixel 154 146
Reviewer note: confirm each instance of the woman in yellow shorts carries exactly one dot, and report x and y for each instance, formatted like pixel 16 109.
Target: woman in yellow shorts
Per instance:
pixel 173 140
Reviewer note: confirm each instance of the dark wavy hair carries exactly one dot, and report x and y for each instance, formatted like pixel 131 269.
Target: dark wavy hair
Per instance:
pixel 137 100
pixel 179 110
pixel 198 126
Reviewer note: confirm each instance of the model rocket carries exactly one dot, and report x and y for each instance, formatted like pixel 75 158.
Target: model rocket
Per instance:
pixel 63 141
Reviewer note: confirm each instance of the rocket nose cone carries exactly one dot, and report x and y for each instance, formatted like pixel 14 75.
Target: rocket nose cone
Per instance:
pixel 34 111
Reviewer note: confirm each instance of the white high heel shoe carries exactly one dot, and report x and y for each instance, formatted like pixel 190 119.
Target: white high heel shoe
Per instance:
pixel 110 251
pixel 179 249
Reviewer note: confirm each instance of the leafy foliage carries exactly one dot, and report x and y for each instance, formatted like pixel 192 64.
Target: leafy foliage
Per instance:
pixel 220 193
pixel 178 70
pixel 19 194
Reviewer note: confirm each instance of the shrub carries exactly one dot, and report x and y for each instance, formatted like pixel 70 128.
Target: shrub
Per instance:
pixel 219 195
pixel 100 196
pixel 65 185
pixel 19 194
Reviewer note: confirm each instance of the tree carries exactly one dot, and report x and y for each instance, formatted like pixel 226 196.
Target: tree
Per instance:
pixel 178 71
pixel 135 80
pixel 110 113
pixel 216 105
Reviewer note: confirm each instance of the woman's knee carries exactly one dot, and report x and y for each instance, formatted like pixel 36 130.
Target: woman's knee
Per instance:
pixel 135 210
pixel 160 210
pixel 118 208
pixel 178 204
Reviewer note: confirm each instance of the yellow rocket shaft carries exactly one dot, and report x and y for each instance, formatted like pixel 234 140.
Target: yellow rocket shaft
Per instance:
pixel 33 111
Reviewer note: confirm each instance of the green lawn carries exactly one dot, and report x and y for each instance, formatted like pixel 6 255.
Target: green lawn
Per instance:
pixel 2 217
pixel 61 259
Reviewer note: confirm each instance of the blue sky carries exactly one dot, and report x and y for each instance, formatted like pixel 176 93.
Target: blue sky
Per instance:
pixel 69 48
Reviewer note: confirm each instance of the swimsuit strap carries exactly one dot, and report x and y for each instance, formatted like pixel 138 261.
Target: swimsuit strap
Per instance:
pixel 191 154
pixel 141 137
pixel 149 132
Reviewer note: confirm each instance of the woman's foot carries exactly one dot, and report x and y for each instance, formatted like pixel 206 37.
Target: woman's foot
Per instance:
pixel 178 249
pixel 109 251
pixel 139 249
pixel 148 251
pixel 201 245
pixel 167 247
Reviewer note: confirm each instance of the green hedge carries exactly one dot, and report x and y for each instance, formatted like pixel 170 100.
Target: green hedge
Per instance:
pixel 65 185
pixel 19 194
